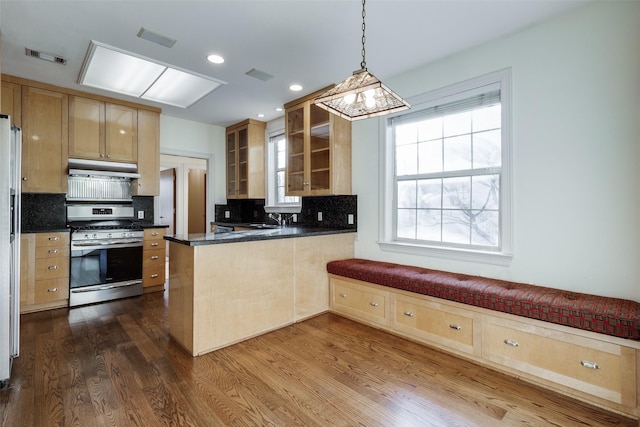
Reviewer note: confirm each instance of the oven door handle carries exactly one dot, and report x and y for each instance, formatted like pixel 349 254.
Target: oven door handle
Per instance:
pixel 106 245
pixel 107 287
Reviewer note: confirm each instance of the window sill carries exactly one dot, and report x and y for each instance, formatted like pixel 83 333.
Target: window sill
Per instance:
pixel 283 209
pixel 496 258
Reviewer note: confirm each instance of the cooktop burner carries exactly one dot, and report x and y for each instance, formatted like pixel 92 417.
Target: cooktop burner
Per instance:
pixel 105 225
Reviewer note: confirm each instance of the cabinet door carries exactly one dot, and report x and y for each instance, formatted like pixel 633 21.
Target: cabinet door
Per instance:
pixel 319 153
pixel 121 127
pixel 86 128
pixel 45 141
pixel 148 155
pixel 11 102
pixel 232 161
pixel 243 162
pixel 295 125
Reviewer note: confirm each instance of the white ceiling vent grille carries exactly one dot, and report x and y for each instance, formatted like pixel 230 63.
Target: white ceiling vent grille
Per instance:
pixel 45 56
pixel 260 75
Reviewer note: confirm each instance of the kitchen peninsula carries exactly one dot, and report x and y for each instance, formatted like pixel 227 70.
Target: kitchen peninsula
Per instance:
pixel 228 287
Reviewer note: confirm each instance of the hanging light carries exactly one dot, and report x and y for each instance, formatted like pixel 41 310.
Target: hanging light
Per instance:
pixel 362 95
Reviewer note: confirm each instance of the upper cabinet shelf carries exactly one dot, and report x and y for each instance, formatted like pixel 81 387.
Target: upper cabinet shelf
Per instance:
pixel 245 160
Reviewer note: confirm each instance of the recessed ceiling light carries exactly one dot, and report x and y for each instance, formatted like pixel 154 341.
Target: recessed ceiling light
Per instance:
pixel 260 115
pixel 279 108
pixel 295 87
pixel 216 59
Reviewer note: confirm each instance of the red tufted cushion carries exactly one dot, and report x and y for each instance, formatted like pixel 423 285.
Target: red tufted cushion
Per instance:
pixel 611 316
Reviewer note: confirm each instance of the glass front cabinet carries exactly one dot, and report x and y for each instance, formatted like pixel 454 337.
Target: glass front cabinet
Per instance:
pixel 318 149
pixel 245 160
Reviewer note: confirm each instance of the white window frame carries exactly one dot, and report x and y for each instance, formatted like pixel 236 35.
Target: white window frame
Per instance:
pixel 386 241
pixel 271 203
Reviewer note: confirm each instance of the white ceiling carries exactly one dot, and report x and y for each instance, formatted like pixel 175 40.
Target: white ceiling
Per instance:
pixel 313 43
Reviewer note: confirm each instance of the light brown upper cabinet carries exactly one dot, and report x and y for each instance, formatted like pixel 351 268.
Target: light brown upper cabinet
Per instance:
pixel 11 102
pixel 45 140
pixel 245 160
pixel 102 131
pixel 148 155
pixel 318 149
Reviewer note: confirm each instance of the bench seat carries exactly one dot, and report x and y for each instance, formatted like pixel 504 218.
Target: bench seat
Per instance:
pixel 611 316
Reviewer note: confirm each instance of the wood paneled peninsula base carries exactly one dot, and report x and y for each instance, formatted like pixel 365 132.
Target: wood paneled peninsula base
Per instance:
pixel 226 291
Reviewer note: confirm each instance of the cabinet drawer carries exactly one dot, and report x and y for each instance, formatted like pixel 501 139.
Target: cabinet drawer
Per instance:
pixel 52 268
pixel 51 290
pixel 590 366
pixel 436 323
pixel 52 251
pixel 361 301
pixel 154 244
pixel 52 239
pixel 153 276
pixel 153 258
pixel 154 233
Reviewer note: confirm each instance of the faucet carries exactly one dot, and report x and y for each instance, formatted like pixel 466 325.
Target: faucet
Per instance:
pixel 279 218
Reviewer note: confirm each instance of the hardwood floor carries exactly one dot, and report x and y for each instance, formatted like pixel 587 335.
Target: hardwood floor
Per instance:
pixel 113 364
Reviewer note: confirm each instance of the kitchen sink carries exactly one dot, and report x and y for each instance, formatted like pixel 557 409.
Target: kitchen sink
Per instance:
pixel 263 225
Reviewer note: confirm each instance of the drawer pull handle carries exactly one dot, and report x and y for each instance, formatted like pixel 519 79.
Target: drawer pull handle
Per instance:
pixel 154 244
pixel 154 257
pixel 52 290
pixel 373 304
pixel 512 343
pixel 54 238
pixel 155 233
pixel 53 251
pixel 343 295
pixel 409 314
pixel 590 365
pixel 153 276
pixel 53 267
pixel 456 327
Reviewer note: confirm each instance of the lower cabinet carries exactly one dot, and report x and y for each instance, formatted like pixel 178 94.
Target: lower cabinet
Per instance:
pixel 44 271
pixel 153 259
pixel 592 367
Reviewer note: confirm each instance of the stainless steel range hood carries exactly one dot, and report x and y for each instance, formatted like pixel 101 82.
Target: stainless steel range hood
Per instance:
pixel 82 167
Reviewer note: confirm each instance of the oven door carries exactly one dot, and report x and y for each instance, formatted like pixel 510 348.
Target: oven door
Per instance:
pixel 102 273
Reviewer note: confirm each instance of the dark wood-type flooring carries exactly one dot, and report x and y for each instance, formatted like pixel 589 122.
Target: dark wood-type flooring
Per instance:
pixel 114 364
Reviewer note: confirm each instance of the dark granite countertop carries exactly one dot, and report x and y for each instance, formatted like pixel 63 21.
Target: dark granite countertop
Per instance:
pixel 150 225
pixel 60 229
pixel 253 235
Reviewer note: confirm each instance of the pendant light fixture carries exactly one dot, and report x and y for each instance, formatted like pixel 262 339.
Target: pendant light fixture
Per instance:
pixel 362 95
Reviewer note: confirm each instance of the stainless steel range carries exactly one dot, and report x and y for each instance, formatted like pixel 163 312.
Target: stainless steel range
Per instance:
pixel 106 253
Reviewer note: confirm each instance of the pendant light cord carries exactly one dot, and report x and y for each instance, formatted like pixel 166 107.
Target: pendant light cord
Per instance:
pixel 363 64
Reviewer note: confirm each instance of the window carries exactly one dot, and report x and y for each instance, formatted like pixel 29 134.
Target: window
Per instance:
pixel 277 201
pixel 447 172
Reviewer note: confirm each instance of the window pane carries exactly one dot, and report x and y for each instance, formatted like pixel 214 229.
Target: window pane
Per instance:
pixel 456 193
pixel 457 153
pixel 455 226
pixel 407 160
pixel 457 124
pixel 406 133
pixel 280 194
pixel 406 227
pixel 407 194
pixel 485 227
pixel 430 129
pixel 486 191
pixel 487 150
pixel 280 181
pixel 430 156
pixel 429 224
pixel 487 118
pixel 430 193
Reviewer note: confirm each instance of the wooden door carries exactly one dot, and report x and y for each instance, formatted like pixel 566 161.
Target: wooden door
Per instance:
pixel 45 141
pixel 86 128
pixel 121 144
pixel 197 211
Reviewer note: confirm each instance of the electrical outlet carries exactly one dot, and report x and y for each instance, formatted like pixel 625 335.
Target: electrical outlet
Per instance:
pixel 227 214
pixel 294 218
pixel 319 216
pixel 140 214
pixel 350 218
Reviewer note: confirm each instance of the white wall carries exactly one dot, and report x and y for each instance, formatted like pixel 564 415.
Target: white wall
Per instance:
pixel 576 137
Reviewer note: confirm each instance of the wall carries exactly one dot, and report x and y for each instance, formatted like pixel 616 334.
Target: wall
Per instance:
pixel 576 124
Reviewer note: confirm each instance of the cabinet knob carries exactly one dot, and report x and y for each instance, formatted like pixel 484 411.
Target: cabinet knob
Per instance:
pixel 343 295
pixel 52 238
pixel 590 365
pixel 154 244
pixel 373 304
pixel 24 178
pixel 53 267
pixel 456 327
pixel 52 290
pixel 153 276
pixel 155 233
pixel 512 343
pixel 53 251
pixel 101 155
pixel 108 156
pixel 409 314
pixel 154 257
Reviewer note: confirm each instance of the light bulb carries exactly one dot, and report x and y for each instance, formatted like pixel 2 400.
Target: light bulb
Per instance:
pixel 349 98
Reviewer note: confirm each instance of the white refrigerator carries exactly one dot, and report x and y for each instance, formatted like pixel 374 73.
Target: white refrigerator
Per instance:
pixel 10 161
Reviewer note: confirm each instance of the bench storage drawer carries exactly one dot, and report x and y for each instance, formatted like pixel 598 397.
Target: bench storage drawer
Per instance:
pixel 362 301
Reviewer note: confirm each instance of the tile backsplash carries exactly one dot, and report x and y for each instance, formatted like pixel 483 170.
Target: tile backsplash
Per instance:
pixel 336 211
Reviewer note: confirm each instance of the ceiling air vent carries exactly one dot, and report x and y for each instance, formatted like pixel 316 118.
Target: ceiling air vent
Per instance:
pixel 45 56
pixel 260 75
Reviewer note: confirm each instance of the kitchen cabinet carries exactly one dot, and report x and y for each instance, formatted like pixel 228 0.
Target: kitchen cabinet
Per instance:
pixel 148 155
pixel 318 149
pixel 101 130
pixel 45 140
pixel 245 160
pixel 44 271
pixel 360 301
pixel 12 102
pixel 153 259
